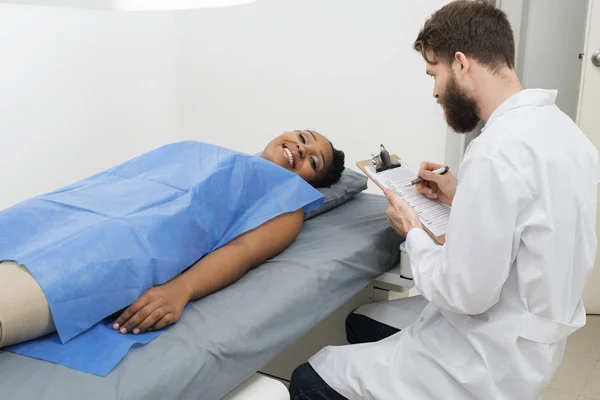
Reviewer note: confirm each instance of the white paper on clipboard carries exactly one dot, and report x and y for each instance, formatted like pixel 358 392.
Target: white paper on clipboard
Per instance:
pixel 434 214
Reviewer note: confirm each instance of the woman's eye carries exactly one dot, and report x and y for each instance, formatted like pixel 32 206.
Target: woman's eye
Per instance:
pixel 302 138
pixel 313 162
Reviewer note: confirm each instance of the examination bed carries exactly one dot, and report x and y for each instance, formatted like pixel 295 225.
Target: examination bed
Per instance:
pixel 223 339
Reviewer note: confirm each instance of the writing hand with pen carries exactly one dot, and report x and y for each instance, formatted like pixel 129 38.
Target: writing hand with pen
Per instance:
pixel 434 183
pixel 437 182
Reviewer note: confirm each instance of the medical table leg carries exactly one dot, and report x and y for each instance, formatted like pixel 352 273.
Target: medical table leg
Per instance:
pixel 259 387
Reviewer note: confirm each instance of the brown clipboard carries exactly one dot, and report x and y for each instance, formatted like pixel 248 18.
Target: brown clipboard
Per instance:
pixel 363 165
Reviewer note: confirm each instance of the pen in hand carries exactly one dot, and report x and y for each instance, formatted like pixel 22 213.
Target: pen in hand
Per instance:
pixel 440 171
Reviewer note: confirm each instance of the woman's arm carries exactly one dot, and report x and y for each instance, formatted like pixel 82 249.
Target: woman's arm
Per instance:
pixel 163 305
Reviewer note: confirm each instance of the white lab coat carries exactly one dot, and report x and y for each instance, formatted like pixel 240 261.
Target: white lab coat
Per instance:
pixel 505 290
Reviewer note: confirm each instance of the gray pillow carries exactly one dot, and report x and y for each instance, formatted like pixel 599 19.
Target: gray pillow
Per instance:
pixel 350 184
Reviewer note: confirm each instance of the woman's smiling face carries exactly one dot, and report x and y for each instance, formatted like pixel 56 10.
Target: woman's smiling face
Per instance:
pixel 307 153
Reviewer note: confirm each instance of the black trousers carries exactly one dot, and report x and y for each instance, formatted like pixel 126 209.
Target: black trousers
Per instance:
pixel 308 385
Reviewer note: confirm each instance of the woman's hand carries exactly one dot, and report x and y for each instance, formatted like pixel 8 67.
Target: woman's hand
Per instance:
pixel 156 308
pixel 435 186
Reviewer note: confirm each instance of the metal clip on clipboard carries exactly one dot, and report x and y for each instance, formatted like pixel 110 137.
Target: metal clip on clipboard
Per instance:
pixel 383 162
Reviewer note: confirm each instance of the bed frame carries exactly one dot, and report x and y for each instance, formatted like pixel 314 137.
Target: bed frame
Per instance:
pixel 331 331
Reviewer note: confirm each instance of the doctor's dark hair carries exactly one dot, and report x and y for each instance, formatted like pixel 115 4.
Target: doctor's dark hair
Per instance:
pixel 334 172
pixel 473 27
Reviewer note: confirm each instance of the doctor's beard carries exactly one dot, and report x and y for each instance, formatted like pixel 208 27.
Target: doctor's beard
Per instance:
pixel 460 110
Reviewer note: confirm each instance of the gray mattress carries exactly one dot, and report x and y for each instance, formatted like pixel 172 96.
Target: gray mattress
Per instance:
pixel 224 338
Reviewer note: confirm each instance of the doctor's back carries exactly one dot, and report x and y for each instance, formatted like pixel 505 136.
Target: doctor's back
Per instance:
pixel 555 228
pixel 547 172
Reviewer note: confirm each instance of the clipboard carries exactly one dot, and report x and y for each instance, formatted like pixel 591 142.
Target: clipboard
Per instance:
pixel 364 165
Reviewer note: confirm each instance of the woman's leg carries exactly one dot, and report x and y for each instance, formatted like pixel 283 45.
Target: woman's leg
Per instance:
pixel 24 311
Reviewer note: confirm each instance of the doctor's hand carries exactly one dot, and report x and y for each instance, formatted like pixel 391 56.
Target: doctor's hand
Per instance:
pixel 402 217
pixel 157 308
pixel 435 186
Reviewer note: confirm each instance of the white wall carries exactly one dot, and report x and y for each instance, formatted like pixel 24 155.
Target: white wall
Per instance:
pixel 552 36
pixel 80 92
pixel 514 13
pixel 345 68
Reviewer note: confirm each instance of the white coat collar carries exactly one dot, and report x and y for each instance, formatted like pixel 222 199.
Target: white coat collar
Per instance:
pixel 527 97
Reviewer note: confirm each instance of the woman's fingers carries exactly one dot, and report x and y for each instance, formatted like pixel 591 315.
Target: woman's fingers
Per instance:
pixel 130 312
pixel 155 309
pixel 131 325
pixel 152 319
pixel 165 321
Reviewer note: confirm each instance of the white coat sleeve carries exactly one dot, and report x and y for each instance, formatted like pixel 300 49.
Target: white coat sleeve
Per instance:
pixel 466 275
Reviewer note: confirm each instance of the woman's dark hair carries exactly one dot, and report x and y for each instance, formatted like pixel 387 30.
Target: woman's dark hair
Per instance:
pixel 334 172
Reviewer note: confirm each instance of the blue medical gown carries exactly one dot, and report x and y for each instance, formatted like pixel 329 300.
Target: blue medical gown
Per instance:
pixel 95 246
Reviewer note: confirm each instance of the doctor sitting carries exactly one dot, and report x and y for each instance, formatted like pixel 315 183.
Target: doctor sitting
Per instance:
pixel 501 296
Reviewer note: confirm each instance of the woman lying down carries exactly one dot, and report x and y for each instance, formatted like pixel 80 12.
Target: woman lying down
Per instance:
pixel 154 233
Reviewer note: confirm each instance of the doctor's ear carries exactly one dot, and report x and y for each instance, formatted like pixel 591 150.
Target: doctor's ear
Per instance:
pixel 461 62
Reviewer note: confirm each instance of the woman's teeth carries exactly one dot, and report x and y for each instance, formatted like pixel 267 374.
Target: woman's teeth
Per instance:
pixel 288 154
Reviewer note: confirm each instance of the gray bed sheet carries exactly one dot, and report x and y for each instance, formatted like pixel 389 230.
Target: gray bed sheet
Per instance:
pixel 224 338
